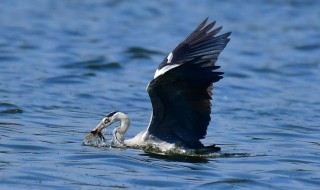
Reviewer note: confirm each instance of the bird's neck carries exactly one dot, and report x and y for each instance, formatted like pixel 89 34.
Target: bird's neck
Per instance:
pixel 119 131
pixel 125 122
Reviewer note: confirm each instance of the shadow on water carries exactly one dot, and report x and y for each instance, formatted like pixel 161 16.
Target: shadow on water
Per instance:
pixel 194 158
pixel 176 158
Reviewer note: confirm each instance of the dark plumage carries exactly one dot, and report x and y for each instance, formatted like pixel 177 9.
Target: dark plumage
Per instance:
pixel 181 97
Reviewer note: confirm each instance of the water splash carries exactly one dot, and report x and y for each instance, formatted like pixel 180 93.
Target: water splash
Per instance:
pixel 158 150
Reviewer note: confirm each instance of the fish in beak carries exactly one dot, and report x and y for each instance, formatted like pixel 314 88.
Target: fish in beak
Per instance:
pixel 97 131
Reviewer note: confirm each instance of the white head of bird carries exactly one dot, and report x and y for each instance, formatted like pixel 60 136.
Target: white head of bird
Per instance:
pixel 118 132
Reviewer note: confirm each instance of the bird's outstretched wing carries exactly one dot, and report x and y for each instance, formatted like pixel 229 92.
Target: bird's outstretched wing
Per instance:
pixel 182 87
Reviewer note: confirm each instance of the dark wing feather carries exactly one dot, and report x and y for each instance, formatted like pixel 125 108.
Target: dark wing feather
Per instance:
pixel 181 96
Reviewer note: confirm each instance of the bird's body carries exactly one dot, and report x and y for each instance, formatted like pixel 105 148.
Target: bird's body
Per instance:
pixel 180 94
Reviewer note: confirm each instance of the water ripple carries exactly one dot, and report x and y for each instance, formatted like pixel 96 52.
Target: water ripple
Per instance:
pixel 8 108
pixel 93 64
pixel 308 47
pixel 142 53
pixel 64 64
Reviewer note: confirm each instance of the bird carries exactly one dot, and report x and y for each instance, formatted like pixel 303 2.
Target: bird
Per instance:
pixel 180 93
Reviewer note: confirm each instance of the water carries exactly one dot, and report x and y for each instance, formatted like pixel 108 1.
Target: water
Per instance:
pixel 64 64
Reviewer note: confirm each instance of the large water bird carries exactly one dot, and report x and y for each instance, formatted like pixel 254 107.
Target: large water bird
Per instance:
pixel 180 93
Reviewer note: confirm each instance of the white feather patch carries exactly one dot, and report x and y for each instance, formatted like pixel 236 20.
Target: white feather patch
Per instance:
pixel 164 70
pixel 170 56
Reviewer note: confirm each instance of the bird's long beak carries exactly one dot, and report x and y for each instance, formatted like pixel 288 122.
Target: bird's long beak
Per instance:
pixel 97 131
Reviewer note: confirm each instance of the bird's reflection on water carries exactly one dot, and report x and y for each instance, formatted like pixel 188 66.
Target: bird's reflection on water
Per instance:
pixel 194 158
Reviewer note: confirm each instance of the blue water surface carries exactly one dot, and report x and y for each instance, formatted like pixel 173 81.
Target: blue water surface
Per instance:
pixel 65 64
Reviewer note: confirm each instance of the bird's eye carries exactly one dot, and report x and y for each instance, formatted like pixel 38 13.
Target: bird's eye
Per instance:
pixel 106 120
